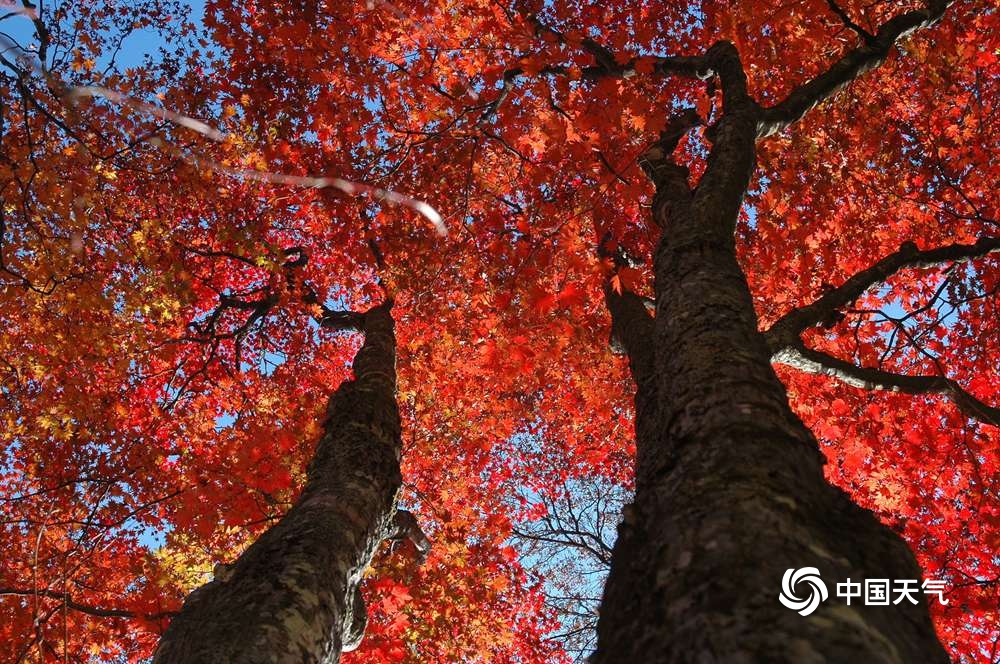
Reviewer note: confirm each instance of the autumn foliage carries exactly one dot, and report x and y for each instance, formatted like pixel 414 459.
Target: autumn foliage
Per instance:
pixel 163 376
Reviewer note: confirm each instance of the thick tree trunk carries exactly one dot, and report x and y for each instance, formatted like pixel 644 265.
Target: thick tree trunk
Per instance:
pixel 292 596
pixel 730 490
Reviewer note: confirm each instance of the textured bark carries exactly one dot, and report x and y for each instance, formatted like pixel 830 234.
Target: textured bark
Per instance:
pixel 292 596
pixel 632 331
pixel 730 491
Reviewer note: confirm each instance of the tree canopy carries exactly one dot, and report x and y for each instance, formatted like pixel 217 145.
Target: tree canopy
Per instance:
pixel 179 232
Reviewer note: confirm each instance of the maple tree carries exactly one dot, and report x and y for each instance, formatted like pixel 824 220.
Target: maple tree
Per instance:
pixel 808 186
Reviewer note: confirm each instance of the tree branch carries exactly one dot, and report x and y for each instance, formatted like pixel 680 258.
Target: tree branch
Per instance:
pixel 852 64
pixel 866 36
pixel 632 331
pixel 328 318
pixel 340 320
pixel 602 55
pixel 333 319
pixel 787 329
pixel 83 608
pixel 657 162
pixel 406 527
pixel 812 361
pixel 697 66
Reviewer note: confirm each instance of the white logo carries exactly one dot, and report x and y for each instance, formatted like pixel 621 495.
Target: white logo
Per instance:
pixel 817 590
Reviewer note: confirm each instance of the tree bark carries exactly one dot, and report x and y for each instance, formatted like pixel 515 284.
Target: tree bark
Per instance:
pixel 632 331
pixel 292 596
pixel 730 490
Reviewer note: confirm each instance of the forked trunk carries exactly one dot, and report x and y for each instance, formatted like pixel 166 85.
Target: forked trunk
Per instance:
pixel 730 490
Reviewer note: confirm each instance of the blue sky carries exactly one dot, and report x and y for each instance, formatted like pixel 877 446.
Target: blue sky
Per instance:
pixel 137 46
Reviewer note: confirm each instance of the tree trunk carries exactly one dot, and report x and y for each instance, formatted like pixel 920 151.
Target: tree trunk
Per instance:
pixel 292 596
pixel 730 490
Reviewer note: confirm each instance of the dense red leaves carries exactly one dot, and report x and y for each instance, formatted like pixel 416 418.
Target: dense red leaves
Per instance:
pixel 154 423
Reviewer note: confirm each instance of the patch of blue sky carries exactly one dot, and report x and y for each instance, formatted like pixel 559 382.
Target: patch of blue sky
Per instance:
pixel 150 537
pixel 137 46
pixel 552 563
